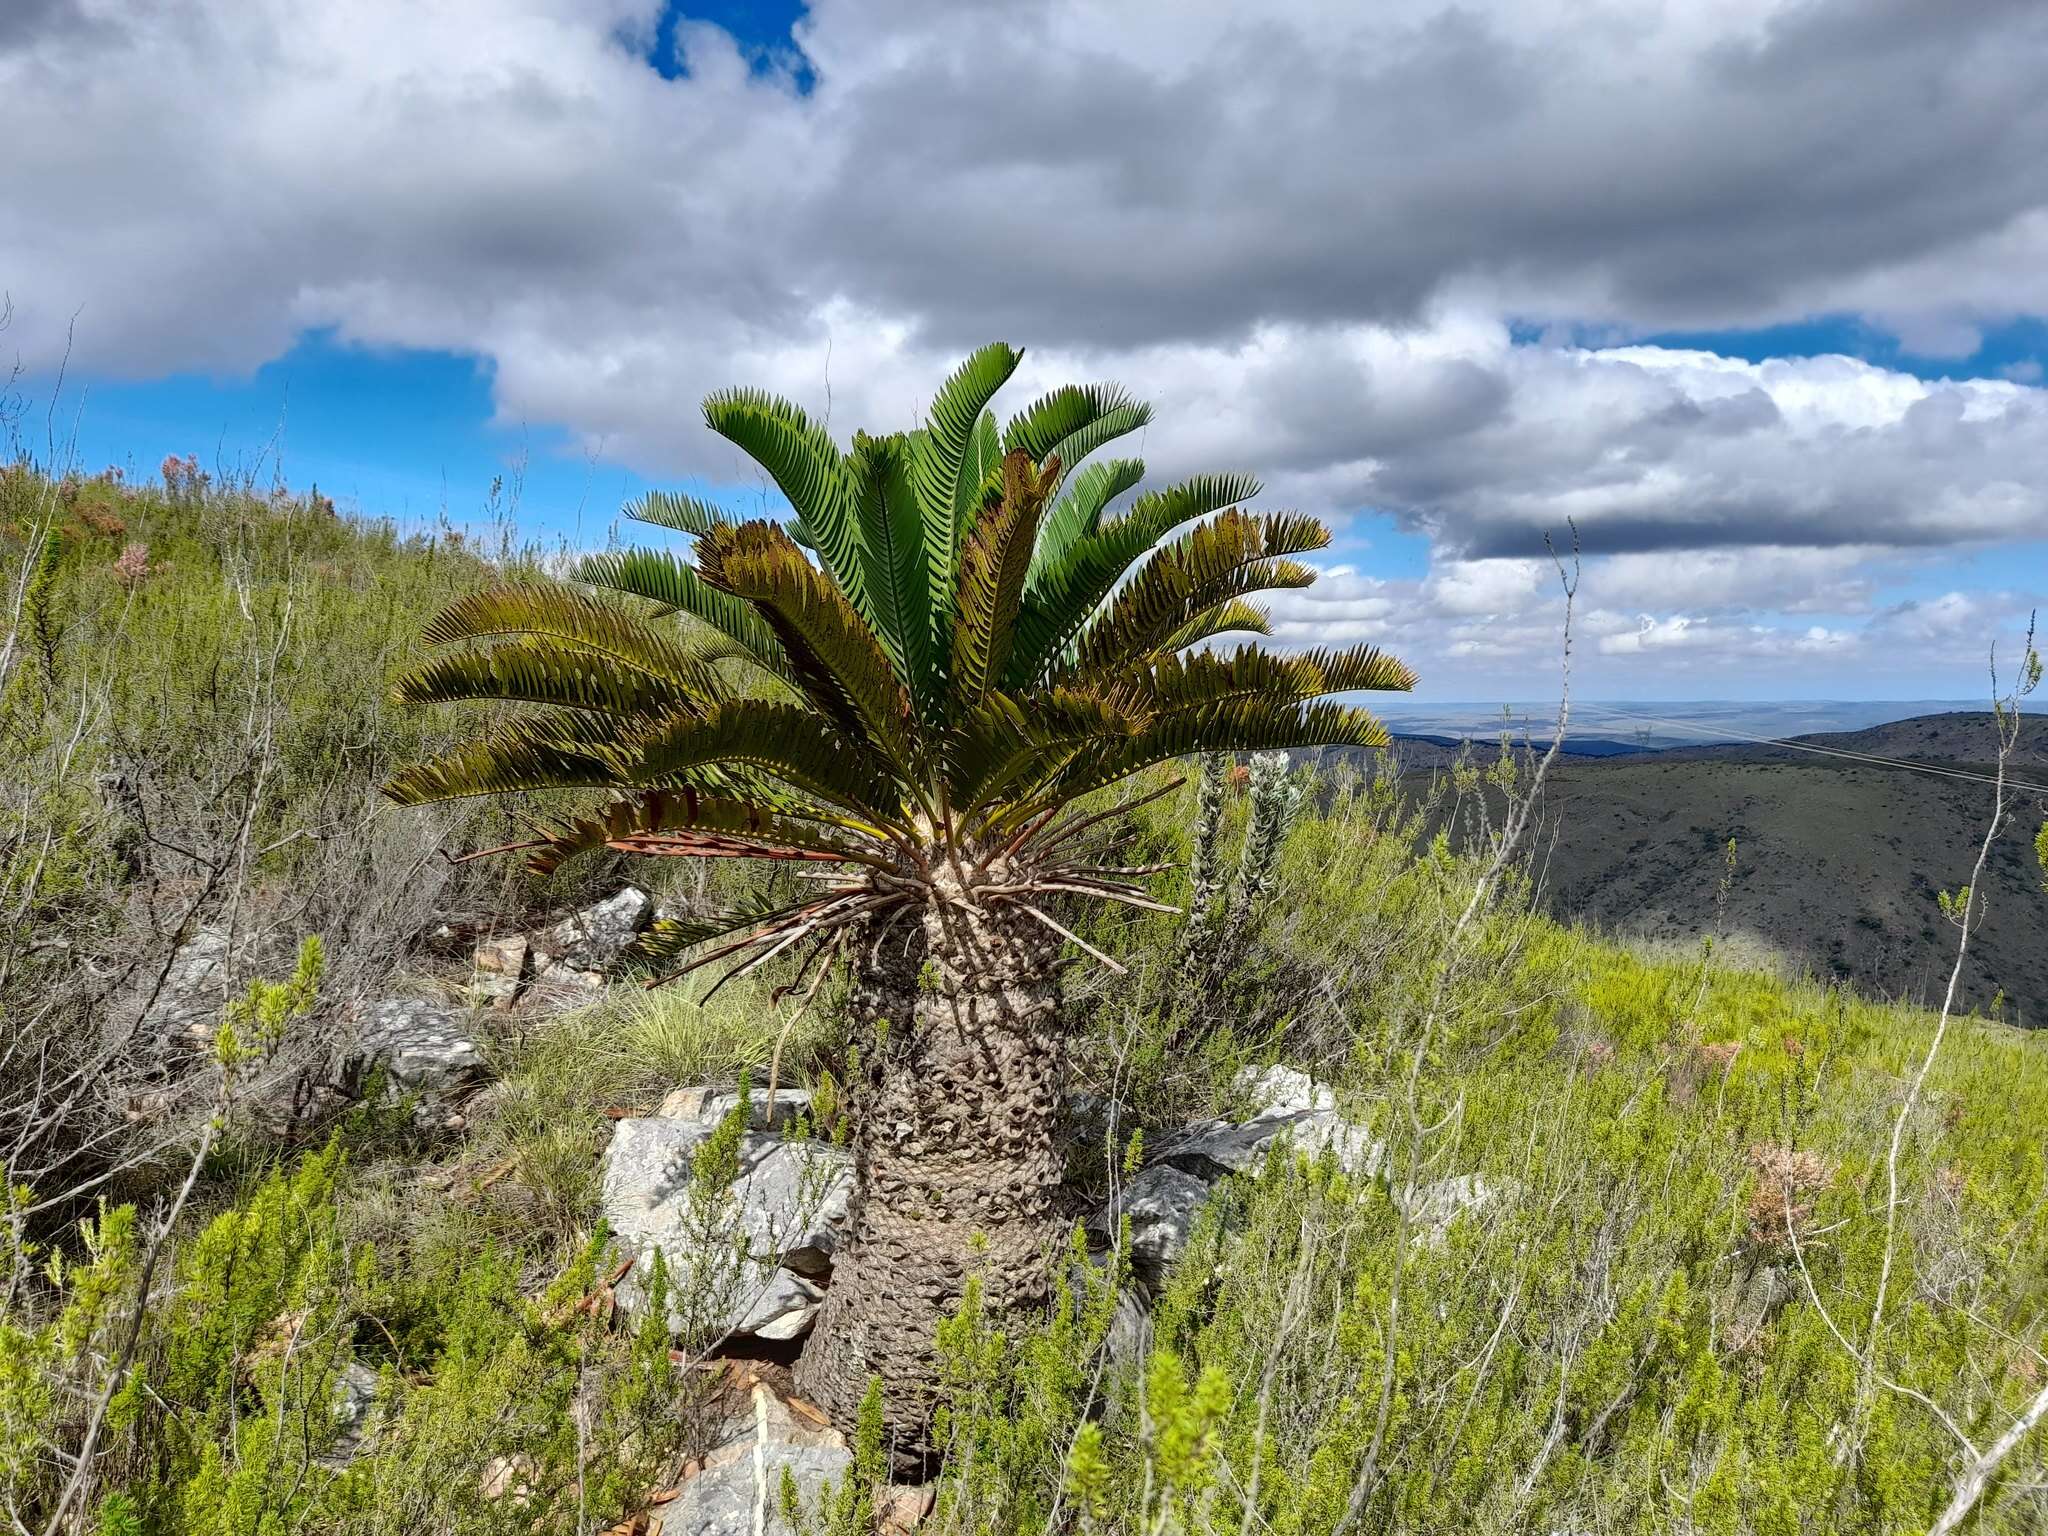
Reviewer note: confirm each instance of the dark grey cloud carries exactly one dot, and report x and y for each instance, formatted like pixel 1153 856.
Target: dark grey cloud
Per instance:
pixel 1351 171
pixel 1301 228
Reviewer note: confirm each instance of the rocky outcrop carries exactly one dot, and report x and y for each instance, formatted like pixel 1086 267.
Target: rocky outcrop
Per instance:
pixel 1285 1103
pixel 568 961
pixel 355 1408
pixel 788 1203
pixel 178 1008
pixel 417 1051
pixel 582 949
pixel 736 1490
pixel 1286 1106
pixel 1161 1203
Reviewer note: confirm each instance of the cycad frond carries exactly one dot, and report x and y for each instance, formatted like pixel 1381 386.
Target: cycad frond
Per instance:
pixel 992 572
pixel 573 619
pixel 675 824
pixel 892 533
pixel 1239 725
pixel 671 509
pixel 1235 617
pixel 1177 683
pixel 949 460
pixel 1230 556
pixel 1112 424
pixel 556 750
pixel 789 742
pixel 832 651
pixel 542 670
pixel 1078 512
pixel 1065 413
pixel 1006 739
pixel 1067 591
pixel 674 584
pixel 805 464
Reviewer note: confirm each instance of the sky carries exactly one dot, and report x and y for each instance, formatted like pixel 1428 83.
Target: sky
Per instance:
pixel 1753 294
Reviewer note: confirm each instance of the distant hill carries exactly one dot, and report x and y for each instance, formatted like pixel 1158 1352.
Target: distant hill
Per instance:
pixel 1838 860
pixel 1575 745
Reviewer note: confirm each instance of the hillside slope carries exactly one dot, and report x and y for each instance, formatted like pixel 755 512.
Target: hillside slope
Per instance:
pixel 1838 863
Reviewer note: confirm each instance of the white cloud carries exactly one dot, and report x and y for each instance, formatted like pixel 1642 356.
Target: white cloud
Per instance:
pixel 1299 232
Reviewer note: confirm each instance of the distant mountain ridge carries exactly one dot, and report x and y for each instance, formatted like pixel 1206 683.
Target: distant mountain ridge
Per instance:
pixel 1839 861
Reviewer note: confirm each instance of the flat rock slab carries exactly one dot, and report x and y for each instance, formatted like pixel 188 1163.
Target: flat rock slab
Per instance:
pixel 744 1496
pixel 738 1490
pixel 1286 1102
pixel 593 940
pixel 1162 1203
pixel 423 1051
pixel 789 1201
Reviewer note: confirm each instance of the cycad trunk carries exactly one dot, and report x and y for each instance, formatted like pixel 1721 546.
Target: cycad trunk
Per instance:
pixel 956 1171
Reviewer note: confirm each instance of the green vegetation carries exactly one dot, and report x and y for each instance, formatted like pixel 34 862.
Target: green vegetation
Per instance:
pixel 953 641
pixel 1659 1320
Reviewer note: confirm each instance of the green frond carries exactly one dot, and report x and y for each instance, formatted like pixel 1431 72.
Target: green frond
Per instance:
pixel 805 464
pixel 1177 683
pixel 1157 513
pixel 1064 414
pixel 1067 591
pixel 1112 424
pixel 572 620
pixel 1077 514
pixel 992 572
pixel 688 824
pixel 1240 725
pixel 1230 556
pixel 542 670
pixel 1007 738
pixel 550 751
pixel 660 577
pixel 668 939
pixel 892 533
pixel 981 478
pixel 684 514
pixel 1230 618
pixel 951 456
pixel 789 743
pixel 835 656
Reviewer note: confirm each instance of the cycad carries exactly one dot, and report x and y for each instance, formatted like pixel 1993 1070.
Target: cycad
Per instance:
pixel 913 681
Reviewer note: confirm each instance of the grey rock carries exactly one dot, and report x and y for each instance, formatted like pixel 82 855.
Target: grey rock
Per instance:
pixel 1280 1090
pixel 741 1478
pixel 592 940
pixel 789 1104
pixel 355 1391
pixel 1095 1122
pixel 1213 1149
pixel 708 1106
pixel 355 1402
pixel 741 1496
pixel 195 988
pixel 798 1304
pixel 1129 1344
pixel 1162 1203
pixel 422 1052
pixel 1433 1207
pixel 563 984
pixel 1286 1103
pixel 790 1200
pixel 500 964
